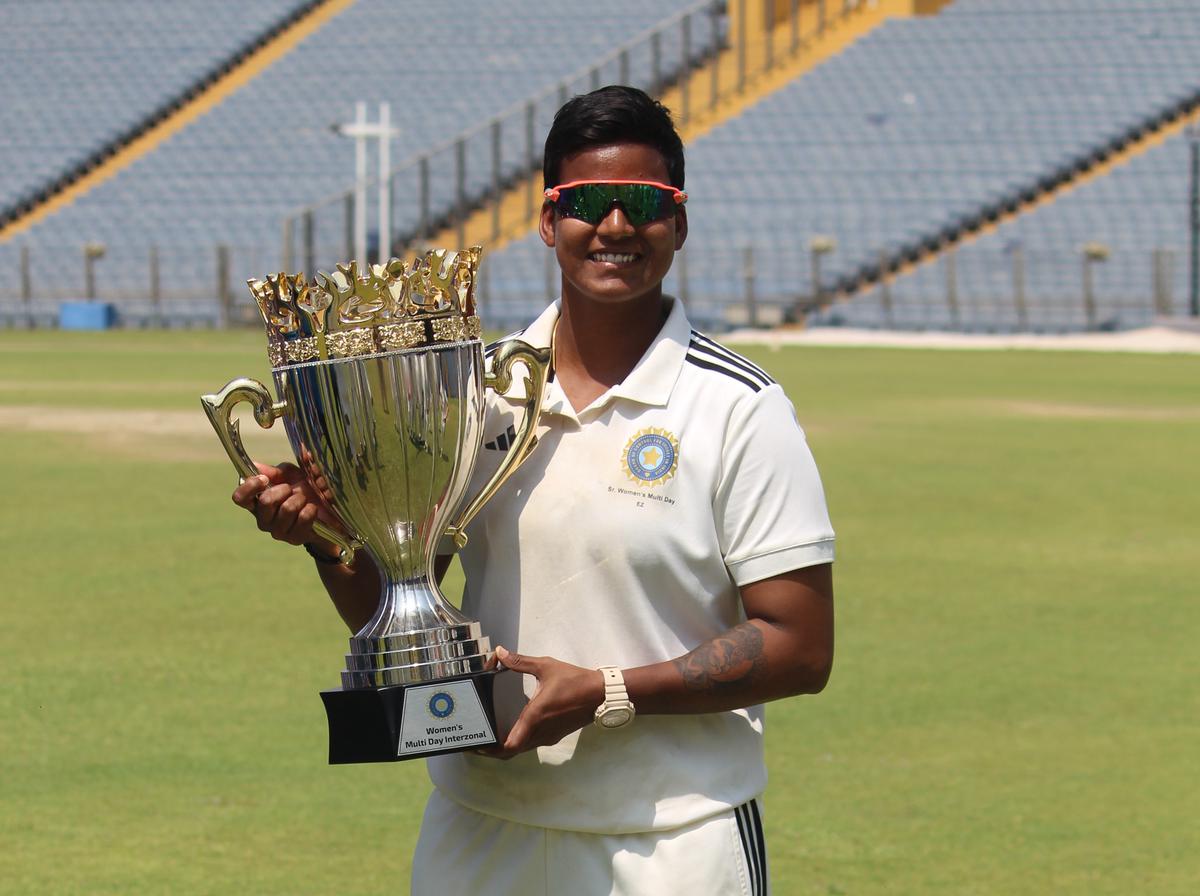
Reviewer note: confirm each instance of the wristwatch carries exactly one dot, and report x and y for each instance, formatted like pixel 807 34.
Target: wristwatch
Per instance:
pixel 616 711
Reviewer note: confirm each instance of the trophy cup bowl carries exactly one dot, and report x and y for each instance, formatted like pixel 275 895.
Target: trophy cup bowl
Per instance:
pixel 381 381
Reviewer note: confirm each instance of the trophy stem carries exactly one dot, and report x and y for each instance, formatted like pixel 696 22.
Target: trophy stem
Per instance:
pixel 414 637
pixel 407 605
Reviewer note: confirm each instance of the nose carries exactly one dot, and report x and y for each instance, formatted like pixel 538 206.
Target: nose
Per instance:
pixel 616 222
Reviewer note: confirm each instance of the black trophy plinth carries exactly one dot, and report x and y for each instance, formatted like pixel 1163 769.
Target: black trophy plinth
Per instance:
pixel 391 724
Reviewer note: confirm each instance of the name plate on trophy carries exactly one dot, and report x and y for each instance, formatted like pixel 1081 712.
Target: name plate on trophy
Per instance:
pixel 442 717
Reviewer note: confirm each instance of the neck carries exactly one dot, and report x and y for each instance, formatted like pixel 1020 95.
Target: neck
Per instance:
pixel 596 345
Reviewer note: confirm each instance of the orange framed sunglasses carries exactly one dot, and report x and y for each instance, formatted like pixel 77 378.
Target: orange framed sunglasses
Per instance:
pixel 590 201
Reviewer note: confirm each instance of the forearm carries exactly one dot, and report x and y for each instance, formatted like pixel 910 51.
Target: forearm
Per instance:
pixel 785 648
pixel 354 589
pixel 287 505
pixel 751 663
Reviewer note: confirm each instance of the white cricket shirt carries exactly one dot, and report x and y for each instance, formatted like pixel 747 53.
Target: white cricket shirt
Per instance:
pixel 622 541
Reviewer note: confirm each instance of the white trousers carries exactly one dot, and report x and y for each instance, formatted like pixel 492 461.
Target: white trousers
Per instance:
pixel 464 853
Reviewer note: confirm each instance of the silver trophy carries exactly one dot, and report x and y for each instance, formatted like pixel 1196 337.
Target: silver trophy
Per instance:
pixel 381 382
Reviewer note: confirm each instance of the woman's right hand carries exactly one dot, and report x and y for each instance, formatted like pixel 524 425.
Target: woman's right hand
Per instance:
pixel 286 504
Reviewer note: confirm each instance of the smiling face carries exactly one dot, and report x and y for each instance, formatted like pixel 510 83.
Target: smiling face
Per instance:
pixel 614 262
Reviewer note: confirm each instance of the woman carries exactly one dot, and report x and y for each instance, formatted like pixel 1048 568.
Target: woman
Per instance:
pixel 662 562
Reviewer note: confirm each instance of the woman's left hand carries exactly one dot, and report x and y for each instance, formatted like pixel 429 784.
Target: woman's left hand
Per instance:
pixel 564 701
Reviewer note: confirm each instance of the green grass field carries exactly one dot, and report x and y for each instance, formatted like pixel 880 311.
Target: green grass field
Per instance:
pixel 1013 710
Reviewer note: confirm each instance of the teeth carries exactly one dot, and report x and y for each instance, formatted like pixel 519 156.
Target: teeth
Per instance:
pixel 614 257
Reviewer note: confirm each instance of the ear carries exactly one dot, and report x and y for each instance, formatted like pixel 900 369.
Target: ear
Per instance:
pixel 681 227
pixel 546 224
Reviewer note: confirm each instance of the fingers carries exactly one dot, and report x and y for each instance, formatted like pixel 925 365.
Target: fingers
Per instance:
pixel 285 471
pixel 516 741
pixel 563 700
pixel 282 500
pixel 278 512
pixel 288 517
pixel 518 738
pixel 247 492
pixel 291 473
pixel 529 665
pixel 266 508
pixel 494 752
pixel 272 473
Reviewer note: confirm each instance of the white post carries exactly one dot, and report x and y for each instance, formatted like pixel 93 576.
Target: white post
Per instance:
pixel 385 198
pixel 360 182
pixel 361 131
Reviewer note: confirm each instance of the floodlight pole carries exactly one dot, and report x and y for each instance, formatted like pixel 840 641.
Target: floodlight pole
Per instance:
pixel 1193 132
pixel 362 131
pixel 384 249
pixel 360 182
pixel 91 253
pixel 818 246
pixel 1092 252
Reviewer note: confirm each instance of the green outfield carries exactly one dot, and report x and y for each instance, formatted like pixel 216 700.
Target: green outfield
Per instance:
pixel 1014 707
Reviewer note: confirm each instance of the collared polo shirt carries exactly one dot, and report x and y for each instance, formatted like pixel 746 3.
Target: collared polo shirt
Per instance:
pixel 623 540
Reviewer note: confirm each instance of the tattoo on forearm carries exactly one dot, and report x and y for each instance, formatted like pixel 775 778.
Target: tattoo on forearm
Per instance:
pixel 729 662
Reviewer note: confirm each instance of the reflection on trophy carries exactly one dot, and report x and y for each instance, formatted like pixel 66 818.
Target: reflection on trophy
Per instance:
pixel 381 384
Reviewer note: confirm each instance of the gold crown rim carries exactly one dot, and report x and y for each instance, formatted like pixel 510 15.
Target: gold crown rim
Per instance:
pixel 390 306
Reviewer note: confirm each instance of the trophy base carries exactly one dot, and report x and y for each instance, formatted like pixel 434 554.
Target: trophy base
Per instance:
pixel 391 724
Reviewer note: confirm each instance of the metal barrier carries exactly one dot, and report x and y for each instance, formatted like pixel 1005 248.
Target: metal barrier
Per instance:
pixel 200 288
pixel 1068 287
pixel 1083 286
pixel 1077 286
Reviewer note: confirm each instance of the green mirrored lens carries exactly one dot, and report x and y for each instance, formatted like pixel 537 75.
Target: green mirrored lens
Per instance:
pixel 591 202
pixel 642 203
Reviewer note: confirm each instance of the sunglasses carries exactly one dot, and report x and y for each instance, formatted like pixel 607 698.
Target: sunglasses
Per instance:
pixel 590 201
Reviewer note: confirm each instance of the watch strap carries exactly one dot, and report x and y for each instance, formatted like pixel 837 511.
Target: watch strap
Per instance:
pixel 617 704
pixel 614 683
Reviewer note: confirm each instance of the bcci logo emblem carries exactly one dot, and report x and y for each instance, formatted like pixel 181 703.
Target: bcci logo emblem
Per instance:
pixel 651 456
pixel 441 705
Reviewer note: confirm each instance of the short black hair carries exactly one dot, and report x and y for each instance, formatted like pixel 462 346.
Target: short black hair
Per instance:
pixel 613 114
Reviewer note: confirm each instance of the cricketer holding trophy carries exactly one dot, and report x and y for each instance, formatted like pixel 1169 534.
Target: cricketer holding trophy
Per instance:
pixel 661 559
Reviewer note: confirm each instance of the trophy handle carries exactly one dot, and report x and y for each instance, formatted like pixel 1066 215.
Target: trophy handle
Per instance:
pixel 219 409
pixel 537 360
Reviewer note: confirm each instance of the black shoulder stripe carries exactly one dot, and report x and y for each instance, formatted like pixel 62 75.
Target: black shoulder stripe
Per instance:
pixel 729 353
pixel 715 348
pixel 699 361
pixel 490 349
pixel 732 360
pixel 718 347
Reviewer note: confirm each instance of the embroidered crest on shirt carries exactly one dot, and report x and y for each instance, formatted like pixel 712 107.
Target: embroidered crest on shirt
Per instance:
pixel 651 456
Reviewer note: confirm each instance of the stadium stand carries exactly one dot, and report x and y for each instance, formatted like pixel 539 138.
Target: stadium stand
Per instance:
pixel 104 76
pixel 232 176
pixel 1136 216
pixel 921 131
